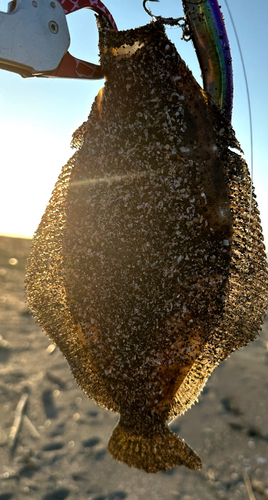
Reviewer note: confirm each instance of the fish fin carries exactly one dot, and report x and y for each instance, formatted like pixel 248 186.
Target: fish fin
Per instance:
pixel 152 453
pixel 192 385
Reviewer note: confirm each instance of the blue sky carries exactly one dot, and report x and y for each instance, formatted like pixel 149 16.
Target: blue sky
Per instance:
pixel 38 116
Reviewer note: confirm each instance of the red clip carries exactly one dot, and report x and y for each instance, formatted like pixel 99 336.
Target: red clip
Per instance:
pixel 71 67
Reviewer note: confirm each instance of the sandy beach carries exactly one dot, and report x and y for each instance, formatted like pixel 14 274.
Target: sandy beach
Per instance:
pixel 58 448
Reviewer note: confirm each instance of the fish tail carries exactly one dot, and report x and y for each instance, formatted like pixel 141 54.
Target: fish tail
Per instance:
pixel 160 451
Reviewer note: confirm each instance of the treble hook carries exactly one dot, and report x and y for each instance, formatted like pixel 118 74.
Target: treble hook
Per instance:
pixel 180 21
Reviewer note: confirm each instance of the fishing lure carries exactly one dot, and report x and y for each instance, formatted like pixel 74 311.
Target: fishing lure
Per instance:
pixel 208 33
pixel 146 268
pixel 204 25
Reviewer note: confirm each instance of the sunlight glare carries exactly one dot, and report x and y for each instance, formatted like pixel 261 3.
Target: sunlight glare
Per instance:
pixel 31 161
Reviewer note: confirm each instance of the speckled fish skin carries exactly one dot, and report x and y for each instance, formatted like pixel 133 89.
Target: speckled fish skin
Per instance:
pixel 146 269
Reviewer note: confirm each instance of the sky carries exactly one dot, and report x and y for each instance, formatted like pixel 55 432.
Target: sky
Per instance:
pixel 39 115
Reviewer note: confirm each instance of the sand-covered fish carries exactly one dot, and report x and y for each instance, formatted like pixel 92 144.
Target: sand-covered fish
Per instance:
pixel 148 267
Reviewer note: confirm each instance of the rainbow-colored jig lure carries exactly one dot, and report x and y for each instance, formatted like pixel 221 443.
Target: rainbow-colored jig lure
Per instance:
pixel 208 33
pixel 204 25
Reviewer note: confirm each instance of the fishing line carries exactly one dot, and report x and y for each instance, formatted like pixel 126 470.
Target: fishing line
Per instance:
pixel 249 105
pixel 247 253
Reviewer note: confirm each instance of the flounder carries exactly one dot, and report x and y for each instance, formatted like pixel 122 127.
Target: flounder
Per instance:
pixel 148 267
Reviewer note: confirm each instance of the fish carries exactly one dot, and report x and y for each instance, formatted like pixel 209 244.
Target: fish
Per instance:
pixel 148 267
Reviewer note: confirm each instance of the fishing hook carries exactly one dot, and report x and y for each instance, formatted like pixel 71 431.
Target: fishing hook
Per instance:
pixel 179 21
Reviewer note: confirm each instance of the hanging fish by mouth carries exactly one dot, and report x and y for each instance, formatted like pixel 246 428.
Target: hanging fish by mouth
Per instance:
pixel 203 24
pixel 148 267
